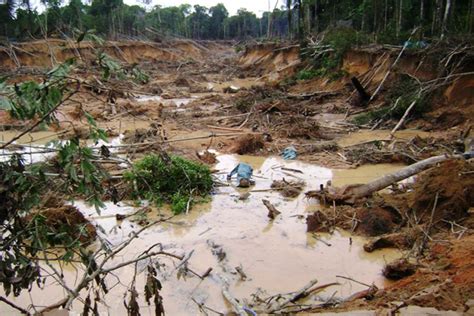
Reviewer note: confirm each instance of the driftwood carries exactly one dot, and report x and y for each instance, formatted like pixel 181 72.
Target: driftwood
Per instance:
pixel 350 194
pixel 272 211
pixel 299 294
pixel 236 306
pixel 308 289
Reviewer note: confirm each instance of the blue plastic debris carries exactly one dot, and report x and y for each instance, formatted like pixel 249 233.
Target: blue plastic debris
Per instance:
pixel 289 153
pixel 244 172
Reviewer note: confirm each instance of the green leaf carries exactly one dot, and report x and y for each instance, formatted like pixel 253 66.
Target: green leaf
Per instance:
pixel 81 37
pixel 90 119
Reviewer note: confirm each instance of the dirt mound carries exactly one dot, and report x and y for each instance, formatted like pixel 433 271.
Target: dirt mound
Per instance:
pixel 298 127
pixel 440 197
pixel 375 221
pixel 398 269
pixel 207 157
pixel 248 144
pixel 450 186
pixel 66 220
pixel 288 188
pixel 319 222
pixel 446 282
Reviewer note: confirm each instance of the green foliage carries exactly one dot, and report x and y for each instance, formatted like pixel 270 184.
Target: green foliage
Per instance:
pixel 112 68
pixel 179 202
pixel 139 75
pixel 109 67
pixel 243 105
pixel 238 48
pixel 380 20
pixel 27 237
pixel 326 57
pixel 406 91
pixel 307 74
pixel 83 177
pixel 34 100
pixel 160 178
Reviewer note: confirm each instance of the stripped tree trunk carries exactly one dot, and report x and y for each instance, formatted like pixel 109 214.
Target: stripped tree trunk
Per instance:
pixel 471 17
pixel 444 26
pixel 400 16
pixel 422 12
pixel 316 17
pixel 353 193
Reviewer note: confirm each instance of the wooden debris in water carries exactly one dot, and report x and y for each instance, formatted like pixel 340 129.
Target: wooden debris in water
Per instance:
pixel 288 188
pixel 272 211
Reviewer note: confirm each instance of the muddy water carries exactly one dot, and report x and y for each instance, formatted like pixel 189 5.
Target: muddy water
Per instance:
pixel 178 102
pixel 34 137
pixel 363 174
pixel 363 136
pixel 276 256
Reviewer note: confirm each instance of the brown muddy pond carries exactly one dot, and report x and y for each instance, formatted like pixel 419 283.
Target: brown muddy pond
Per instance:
pixel 277 257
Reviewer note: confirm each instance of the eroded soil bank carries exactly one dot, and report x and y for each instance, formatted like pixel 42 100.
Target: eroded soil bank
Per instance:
pixel 203 96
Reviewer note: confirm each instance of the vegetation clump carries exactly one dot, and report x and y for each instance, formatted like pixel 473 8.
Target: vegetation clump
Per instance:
pixel 171 179
pixel 326 56
pixel 400 96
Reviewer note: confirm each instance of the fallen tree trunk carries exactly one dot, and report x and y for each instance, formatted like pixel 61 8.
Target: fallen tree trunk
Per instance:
pixel 364 96
pixel 352 193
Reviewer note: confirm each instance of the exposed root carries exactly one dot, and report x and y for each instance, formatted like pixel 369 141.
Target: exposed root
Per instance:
pixel 288 188
pixel 248 144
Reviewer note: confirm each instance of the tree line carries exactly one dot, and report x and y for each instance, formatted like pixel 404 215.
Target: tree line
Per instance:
pixel 385 20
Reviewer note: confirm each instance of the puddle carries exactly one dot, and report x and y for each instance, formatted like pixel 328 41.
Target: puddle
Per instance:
pixel 363 174
pixel 363 136
pixel 276 256
pixel 42 137
pixel 37 149
pixel 178 102
pixel 237 83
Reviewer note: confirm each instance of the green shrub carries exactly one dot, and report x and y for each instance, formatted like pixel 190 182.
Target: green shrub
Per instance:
pixel 307 74
pixel 336 43
pixel 243 105
pixel 171 179
pixel 407 90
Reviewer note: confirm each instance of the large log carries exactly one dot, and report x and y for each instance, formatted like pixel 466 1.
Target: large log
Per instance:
pixel 352 193
pixel 364 96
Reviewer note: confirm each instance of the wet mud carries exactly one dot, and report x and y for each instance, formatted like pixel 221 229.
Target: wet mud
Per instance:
pixel 216 105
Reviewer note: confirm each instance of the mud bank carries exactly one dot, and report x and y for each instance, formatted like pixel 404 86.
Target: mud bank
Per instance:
pixel 198 100
pixel 42 54
pixel 276 256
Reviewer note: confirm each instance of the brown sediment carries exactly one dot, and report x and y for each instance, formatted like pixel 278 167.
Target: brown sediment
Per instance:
pixel 314 117
pixel 66 219
pixel 248 144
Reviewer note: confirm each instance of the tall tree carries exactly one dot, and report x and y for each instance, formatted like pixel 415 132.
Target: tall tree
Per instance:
pixel 444 26
pixel 218 14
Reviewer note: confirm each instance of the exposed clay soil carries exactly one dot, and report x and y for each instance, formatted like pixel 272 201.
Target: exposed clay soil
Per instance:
pixel 193 114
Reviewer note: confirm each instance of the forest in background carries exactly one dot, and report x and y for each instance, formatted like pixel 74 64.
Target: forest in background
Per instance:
pixel 385 21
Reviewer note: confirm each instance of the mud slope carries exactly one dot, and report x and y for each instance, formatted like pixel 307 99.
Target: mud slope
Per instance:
pixel 270 60
pixel 44 53
pixel 452 104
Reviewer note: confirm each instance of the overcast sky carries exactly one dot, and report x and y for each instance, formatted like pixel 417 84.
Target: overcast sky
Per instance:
pixel 257 6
